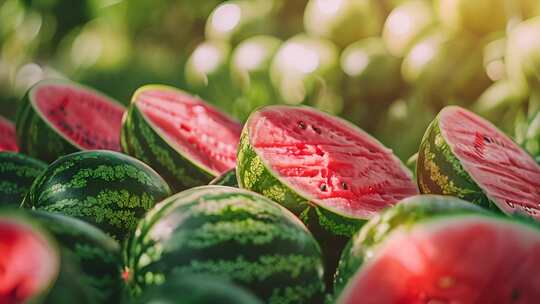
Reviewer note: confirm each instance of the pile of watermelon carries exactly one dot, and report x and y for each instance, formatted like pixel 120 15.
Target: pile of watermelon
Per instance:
pixel 172 201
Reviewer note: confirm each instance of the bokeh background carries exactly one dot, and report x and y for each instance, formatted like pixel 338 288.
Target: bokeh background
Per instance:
pixel 386 65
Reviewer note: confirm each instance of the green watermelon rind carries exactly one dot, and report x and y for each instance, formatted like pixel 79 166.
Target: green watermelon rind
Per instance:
pixel 439 171
pixel 19 219
pixel 136 245
pixel 17 173
pixel 228 178
pixel 368 249
pixel 123 182
pixel 34 131
pixel 142 139
pixel 97 254
pixel 254 174
pixel 406 213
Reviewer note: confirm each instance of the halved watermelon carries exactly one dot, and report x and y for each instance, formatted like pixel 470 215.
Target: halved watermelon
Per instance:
pixel 29 261
pixel 327 171
pixel 8 140
pixel 182 137
pixel 454 255
pixel 466 156
pixel 58 117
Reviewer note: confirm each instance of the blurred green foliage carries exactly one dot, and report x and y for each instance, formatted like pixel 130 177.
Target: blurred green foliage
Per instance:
pixel 386 65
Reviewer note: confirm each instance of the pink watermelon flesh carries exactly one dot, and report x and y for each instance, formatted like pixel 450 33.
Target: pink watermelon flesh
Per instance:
pixel 89 120
pixel 470 260
pixel 192 127
pixel 505 172
pixel 328 161
pixel 27 263
pixel 8 140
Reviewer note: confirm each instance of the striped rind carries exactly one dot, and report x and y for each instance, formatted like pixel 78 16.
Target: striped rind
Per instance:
pixel 105 188
pixel 232 233
pixel 198 289
pixel 37 137
pixel 407 213
pixel 96 254
pixel 440 172
pixel 228 178
pixel 141 140
pixel 17 172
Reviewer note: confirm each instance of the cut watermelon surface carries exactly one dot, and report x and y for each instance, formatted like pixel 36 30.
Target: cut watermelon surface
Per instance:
pixel 328 161
pixel 87 119
pixel 192 127
pixel 458 259
pixel 8 140
pixel 28 265
pixel 464 155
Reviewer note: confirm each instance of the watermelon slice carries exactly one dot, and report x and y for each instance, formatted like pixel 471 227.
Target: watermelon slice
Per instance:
pixel 29 262
pixel 8 141
pixel 466 156
pixel 185 139
pixel 58 117
pixel 452 256
pixel 327 171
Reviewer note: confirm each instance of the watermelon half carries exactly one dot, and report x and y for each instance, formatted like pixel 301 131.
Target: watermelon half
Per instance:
pixel 231 233
pixel 466 156
pixel 226 179
pixel 327 171
pixel 57 117
pixel 108 189
pixel 29 261
pixel 8 139
pixel 427 252
pixel 17 173
pixel 182 137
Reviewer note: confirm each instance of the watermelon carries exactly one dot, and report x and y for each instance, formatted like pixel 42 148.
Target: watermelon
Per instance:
pixel 17 172
pixel 57 117
pixel 464 155
pixel 185 139
pixel 437 249
pixel 8 139
pixel 97 255
pixel 198 289
pixel 226 179
pixel 345 21
pixel 29 261
pixel 331 174
pixel 231 233
pixel 105 188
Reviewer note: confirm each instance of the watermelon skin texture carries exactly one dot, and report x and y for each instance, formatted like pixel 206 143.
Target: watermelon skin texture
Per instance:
pixel 17 172
pixel 197 289
pixel 93 253
pixel 105 188
pixel 409 211
pixel 232 233
pixel 226 179
pixel 438 171
pixel 141 141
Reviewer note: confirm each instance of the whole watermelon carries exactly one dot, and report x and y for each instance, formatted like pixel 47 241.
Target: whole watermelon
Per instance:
pixel 105 188
pixel 231 233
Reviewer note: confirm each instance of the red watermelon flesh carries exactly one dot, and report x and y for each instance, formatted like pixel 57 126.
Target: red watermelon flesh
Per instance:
pixel 507 174
pixel 192 127
pixel 466 260
pixel 329 161
pixel 27 263
pixel 8 141
pixel 89 120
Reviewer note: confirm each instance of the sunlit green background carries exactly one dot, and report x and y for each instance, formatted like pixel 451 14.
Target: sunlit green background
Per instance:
pixel 386 65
